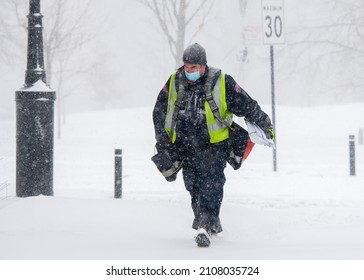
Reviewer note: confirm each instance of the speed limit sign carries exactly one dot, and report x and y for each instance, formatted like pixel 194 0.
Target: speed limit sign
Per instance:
pixel 273 34
pixel 273 22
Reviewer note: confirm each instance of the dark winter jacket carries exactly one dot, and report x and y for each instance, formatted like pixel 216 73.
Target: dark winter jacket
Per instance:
pixel 191 126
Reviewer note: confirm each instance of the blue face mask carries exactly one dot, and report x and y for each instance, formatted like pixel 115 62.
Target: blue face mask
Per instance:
pixel 194 76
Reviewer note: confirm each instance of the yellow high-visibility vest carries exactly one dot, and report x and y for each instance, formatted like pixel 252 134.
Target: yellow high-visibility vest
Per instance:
pixel 217 131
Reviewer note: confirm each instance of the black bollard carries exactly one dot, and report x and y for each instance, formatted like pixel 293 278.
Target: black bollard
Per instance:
pixel 352 154
pixel 118 173
pixel 34 117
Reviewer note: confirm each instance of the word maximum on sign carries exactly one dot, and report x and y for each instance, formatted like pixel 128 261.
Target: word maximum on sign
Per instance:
pixel 273 22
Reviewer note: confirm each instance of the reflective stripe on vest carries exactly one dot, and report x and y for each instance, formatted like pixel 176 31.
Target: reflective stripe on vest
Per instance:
pixel 217 131
pixel 172 97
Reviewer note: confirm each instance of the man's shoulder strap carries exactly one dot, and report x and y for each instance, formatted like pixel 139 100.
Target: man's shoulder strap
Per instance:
pixel 212 77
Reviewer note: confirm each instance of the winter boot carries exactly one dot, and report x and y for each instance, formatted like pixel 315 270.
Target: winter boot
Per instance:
pixel 203 238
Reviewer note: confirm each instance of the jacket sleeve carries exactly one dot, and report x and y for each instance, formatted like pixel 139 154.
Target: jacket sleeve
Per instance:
pixel 159 115
pixel 242 105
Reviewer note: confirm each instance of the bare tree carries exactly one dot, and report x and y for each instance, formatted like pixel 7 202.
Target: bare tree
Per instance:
pixel 174 16
pixel 63 37
pixel 331 54
pixel 64 28
pixel 9 27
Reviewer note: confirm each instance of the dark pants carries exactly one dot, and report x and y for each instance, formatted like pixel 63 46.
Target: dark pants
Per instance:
pixel 203 175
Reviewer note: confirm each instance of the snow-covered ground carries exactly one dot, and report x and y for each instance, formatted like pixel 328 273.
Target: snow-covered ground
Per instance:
pixel 310 209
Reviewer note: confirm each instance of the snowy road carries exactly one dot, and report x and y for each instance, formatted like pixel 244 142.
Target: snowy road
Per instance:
pixel 310 209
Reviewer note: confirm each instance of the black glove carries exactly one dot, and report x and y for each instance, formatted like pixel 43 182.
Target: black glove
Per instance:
pixel 167 160
pixel 163 146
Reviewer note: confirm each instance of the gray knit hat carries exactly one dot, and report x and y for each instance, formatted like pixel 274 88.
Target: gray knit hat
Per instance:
pixel 195 54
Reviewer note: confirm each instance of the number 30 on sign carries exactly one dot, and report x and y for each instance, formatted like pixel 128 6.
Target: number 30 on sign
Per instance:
pixel 273 22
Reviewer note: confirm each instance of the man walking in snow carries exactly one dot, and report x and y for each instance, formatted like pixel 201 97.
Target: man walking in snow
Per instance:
pixel 192 120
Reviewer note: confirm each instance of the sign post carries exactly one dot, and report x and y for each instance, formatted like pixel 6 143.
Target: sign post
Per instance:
pixel 273 34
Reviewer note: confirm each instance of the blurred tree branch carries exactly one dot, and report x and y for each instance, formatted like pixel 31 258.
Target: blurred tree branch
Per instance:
pixel 64 25
pixel 332 49
pixel 173 19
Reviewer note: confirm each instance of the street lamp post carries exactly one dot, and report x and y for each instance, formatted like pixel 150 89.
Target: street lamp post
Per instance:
pixel 34 117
